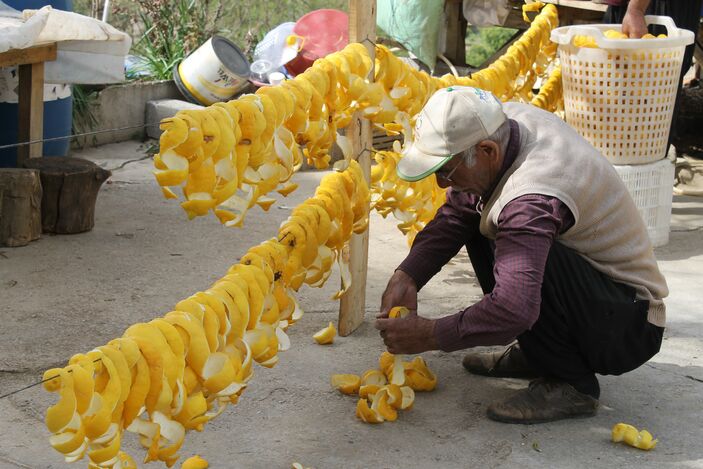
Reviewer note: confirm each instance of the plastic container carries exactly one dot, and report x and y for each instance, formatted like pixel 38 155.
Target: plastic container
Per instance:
pixel 621 96
pixel 260 69
pixel 276 78
pixel 324 31
pixel 215 71
pixel 279 46
pixel 57 112
pixel 651 187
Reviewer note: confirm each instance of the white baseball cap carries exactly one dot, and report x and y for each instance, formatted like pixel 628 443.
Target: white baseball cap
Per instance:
pixel 453 120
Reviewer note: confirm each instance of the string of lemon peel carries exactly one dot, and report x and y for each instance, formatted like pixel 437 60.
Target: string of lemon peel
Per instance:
pixel 229 157
pixel 175 373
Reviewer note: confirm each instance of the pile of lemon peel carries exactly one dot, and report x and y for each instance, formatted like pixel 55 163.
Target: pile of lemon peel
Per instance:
pixel 590 41
pixel 629 435
pixel 228 157
pixel 384 391
pixel 175 373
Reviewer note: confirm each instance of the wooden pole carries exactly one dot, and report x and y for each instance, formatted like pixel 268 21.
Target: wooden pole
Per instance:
pixel 362 25
pixel 30 113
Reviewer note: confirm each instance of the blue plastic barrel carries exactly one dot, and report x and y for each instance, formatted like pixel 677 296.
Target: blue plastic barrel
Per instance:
pixel 57 113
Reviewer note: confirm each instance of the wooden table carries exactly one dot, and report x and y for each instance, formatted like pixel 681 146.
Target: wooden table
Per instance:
pixel 30 63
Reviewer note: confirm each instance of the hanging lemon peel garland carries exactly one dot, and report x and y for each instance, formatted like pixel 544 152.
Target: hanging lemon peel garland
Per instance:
pixel 228 157
pixel 177 372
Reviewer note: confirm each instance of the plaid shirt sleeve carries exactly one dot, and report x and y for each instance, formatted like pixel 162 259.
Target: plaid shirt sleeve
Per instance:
pixel 455 223
pixel 527 227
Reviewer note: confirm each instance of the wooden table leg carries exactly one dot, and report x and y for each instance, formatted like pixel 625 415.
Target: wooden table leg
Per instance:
pixel 31 111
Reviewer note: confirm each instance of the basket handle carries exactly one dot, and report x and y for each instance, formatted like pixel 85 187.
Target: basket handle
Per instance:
pixel 295 40
pixel 564 35
pixel 666 21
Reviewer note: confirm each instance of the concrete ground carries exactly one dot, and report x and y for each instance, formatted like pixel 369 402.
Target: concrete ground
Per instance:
pixel 66 294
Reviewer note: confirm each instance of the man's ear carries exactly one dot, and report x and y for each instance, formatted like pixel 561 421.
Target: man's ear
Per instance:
pixel 491 149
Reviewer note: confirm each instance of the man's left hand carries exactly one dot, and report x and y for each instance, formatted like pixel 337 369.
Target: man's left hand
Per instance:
pixel 411 334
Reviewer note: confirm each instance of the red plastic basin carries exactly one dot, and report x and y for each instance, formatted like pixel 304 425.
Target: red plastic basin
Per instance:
pixel 325 31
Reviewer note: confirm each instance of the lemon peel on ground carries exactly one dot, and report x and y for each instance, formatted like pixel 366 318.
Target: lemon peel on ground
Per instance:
pixel 374 377
pixel 195 462
pixel 325 336
pixel 628 434
pixel 366 413
pixel 381 400
pixel 346 383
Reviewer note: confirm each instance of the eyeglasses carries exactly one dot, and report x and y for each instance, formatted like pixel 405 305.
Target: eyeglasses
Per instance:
pixel 448 175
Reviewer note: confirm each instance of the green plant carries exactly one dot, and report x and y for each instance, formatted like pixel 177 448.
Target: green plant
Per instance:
pixel 483 42
pixel 171 29
pixel 84 119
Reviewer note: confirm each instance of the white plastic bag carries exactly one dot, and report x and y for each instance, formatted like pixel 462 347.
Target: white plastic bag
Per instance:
pixel 279 46
pixel 486 12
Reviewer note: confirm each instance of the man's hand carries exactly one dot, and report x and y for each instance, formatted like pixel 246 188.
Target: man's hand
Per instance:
pixel 411 334
pixel 400 291
pixel 633 24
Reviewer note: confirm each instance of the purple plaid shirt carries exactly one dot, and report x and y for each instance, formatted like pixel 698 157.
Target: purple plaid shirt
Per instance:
pixel 527 227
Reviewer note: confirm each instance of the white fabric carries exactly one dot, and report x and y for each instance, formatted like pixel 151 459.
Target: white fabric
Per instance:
pixel 453 120
pixel 89 51
pixel 608 231
pixel 9 84
pixel 486 12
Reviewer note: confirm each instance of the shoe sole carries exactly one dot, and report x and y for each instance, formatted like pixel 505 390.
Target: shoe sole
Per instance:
pixel 503 374
pixel 503 419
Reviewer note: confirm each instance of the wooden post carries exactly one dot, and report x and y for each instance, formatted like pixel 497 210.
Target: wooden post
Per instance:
pixel 30 64
pixel 454 47
pixel 362 25
pixel 30 113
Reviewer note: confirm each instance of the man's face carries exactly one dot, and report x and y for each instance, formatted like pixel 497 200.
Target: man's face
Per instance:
pixel 476 179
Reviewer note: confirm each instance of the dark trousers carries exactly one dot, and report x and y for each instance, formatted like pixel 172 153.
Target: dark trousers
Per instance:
pixel 587 324
pixel 686 15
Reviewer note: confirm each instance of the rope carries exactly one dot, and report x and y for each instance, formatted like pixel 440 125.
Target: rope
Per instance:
pixel 14 145
pixel 68 137
pixel 37 383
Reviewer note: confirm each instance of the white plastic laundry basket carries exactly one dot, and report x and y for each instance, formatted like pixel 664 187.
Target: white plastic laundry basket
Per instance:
pixel 621 96
pixel 651 187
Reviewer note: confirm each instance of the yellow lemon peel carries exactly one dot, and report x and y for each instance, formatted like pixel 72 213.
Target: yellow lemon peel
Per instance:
pixel 325 336
pixel 628 434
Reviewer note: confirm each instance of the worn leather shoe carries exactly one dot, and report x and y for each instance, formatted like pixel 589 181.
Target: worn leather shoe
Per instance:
pixel 508 363
pixel 544 400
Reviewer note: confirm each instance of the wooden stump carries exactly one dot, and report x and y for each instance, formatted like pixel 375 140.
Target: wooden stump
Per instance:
pixel 71 188
pixel 20 206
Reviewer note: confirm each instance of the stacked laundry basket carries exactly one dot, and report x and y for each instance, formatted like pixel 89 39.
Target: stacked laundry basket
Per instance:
pixel 620 96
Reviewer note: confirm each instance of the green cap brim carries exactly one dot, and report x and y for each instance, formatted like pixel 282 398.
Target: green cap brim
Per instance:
pixel 415 165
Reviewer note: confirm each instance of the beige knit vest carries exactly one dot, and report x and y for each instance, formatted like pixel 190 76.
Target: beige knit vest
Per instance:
pixel 608 231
